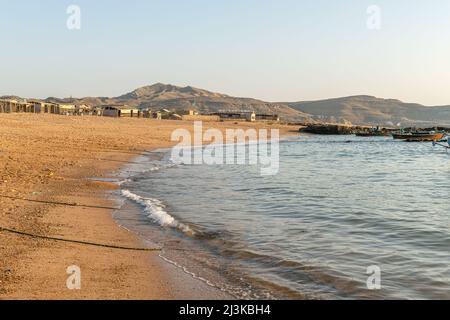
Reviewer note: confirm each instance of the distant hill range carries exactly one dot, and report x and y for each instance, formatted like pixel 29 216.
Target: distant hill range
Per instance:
pixel 375 111
pixel 165 96
pixel 351 110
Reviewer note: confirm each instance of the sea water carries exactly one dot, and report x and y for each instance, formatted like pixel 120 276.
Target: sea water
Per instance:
pixel 338 207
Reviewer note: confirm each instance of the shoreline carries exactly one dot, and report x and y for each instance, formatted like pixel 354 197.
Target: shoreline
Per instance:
pixel 36 268
pixel 184 284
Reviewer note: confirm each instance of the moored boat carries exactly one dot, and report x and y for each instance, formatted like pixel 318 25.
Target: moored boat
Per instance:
pixel 419 136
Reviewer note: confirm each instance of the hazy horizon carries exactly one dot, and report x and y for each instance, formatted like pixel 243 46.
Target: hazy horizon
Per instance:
pixel 272 51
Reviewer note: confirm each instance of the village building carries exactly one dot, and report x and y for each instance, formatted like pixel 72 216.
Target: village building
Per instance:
pixel 44 107
pixel 157 115
pixel 245 116
pixel 149 114
pixel 84 109
pixel 193 115
pixel 236 115
pixel 267 117
pixel 166 114
pixel 6 106
pixel 67 109
pixel 11 105
pixel 145 112
pixel 118 111
pixel 97 111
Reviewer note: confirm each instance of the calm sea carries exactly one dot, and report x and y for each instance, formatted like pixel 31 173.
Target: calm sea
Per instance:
pixel 339 205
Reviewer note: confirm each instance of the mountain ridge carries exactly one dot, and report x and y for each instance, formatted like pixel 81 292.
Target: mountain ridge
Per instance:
pixel 365 109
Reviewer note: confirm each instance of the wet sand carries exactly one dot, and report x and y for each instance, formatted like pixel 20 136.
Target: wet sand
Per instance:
pixel 50 159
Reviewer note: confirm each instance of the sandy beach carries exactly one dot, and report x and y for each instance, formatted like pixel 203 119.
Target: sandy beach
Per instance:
pixel 46 189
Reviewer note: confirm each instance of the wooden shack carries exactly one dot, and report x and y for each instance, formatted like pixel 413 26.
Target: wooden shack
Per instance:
pixel 44 107
pixel 84 109
pixel 8 106
pixel 118 111
pixel 267 117
pixel 11 105
pixel 236 115
pixel 67 109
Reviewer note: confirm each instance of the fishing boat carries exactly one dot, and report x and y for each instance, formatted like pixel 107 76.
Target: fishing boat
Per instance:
pixel 440 143
pixel 419 136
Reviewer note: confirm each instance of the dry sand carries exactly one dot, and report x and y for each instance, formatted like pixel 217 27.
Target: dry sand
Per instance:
pixel 51 158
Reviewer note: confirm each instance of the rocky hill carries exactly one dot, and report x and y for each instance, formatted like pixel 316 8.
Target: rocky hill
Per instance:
pixel 166 96
pixel 171 97
pixel 376 111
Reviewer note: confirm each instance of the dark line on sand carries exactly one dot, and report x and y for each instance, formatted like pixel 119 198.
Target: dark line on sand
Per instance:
pixel 60 203
pixel 30 235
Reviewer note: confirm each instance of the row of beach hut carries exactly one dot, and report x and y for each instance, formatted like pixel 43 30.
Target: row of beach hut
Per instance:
pixel 119 111
pixel 112 110
pixel 34 106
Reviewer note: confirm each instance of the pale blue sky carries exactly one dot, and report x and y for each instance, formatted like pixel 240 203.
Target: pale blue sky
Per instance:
pixel 278 50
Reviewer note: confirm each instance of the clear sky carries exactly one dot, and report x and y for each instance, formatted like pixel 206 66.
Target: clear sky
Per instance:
pixel 277 50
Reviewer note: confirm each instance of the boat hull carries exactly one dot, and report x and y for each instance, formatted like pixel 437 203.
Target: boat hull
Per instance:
pixel 419 137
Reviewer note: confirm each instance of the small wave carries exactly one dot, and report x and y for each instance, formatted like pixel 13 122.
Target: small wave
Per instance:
pixel 157 168
pixel 156 211
pixel 121 182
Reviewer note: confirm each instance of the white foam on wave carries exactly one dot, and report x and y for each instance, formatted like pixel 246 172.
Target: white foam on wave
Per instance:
pixel 121 182
pixel 156 211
